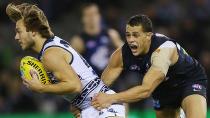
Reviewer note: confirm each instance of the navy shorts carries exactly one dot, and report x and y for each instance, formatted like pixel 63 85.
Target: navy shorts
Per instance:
pixel 173 97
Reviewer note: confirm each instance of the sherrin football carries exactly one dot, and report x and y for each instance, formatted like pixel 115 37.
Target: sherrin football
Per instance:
pixel 28 63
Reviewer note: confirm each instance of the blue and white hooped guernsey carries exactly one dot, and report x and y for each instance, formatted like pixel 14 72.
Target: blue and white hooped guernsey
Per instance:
pixel 91 83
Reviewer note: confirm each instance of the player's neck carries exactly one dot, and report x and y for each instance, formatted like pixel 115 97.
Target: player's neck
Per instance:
pixel 39 42
pixel 94 30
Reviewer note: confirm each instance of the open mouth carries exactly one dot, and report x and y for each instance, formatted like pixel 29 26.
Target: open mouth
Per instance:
pixel 133 47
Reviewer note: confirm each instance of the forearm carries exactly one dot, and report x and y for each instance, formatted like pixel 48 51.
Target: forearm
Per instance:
pixel 61 88
pixel 150 81
pixel 132 95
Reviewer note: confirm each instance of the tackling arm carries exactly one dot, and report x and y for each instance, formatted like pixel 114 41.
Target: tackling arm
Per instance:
pixel 161 60
pixel 150 81
pixel 113 69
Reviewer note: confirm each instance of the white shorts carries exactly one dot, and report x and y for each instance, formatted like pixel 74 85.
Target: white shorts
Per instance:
pixel 113 110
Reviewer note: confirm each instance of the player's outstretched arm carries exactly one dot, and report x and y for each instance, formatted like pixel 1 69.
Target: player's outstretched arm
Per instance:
pixel 151 80
pixel 57 61
pixel 113 69
pixel 161 60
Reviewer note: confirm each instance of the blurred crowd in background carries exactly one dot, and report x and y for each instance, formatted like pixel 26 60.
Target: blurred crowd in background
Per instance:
pixel 187 21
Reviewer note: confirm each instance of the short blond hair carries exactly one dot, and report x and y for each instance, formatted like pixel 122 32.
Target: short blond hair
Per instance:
pixel 33 17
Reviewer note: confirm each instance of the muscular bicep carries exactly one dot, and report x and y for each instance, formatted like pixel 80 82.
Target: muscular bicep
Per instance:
pixel 114 68
pixel 161 60
pixel 57 61
pixel 164 57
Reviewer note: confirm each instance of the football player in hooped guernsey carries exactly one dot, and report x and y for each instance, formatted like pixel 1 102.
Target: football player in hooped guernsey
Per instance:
pixel 173 78
pixel 72 75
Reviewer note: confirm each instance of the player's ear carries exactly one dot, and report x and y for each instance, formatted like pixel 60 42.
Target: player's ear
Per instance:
pixel 148 35
pixel 33 33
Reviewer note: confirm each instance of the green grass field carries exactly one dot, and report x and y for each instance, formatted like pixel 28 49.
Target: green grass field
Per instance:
pixel 132 114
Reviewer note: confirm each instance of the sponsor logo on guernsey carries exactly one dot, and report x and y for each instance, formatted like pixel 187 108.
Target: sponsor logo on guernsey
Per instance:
pixel 134 67
pixel 156 103
pixel 147 67
pixel 196 87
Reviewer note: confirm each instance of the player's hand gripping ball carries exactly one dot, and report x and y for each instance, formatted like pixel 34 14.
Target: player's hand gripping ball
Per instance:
pixel 29 63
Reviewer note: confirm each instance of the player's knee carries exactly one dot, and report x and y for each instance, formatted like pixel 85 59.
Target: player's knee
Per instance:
pixel 191 113
pixel 196 116
pixel 195 106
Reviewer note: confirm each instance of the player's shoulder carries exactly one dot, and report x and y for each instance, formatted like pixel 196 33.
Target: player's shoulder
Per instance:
pixel 165 49
pixel 159 35
pixel 53 57
pixel 162 41
pixel 52 53
pixel 160 38
pixel 168 44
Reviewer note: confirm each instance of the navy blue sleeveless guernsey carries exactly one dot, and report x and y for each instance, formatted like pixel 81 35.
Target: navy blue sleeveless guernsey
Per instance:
pixel 185 70
pixel 98 49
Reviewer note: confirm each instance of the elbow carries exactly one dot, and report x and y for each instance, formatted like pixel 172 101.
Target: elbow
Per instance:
pixel 147 93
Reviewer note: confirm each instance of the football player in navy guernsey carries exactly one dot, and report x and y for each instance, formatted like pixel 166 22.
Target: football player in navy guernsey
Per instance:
pixel 95 43
pixel 173 78
pixel 72 76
